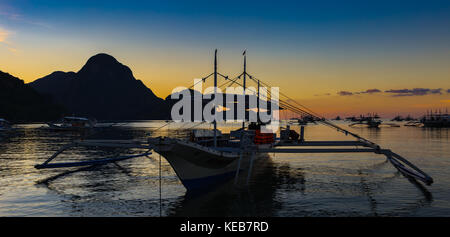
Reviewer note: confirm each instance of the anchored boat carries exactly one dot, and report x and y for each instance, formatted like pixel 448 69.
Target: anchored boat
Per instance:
pixel 436 120
pixel 200 164
pixel 369 121
pixel 72 124
pixel 206 158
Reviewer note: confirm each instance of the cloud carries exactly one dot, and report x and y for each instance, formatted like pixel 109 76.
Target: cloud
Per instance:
pixel 414 92
pixel 436 91
pixel 13 50
pixel 345 93
pixel 371 91
pixel 396 92
pixel 10 13
pixel 325 94
pixel 368 91
pixel 3 35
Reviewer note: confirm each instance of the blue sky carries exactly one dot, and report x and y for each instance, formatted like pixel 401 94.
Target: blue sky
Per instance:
pixel 330 46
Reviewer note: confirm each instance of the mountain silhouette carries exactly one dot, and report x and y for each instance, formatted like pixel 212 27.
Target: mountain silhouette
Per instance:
pixel 105 89
pixel 21 103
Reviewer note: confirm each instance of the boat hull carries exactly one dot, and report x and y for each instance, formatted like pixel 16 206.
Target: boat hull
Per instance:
pixel 66 128
pixel 200 167
pixel 437 124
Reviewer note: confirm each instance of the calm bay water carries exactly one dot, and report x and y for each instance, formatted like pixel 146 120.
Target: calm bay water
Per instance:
pixel 284 185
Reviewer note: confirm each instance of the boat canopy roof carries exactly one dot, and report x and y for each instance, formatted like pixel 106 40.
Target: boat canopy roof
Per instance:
pixel 76 118
pixel 205 133
pixel 3 121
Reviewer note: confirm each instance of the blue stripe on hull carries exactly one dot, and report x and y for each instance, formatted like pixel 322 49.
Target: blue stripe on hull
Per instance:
pixel 207 182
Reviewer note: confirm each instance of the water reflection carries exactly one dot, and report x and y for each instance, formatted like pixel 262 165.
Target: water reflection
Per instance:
pixel 257 198
pixel 435 133
pixel 282 185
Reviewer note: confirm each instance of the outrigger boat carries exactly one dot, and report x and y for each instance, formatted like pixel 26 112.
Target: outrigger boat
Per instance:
pixel 436 120
pixel 72 124
pixel 398 118
pixel 208 157
pixel 369 121
pixel 352 119
pixel 413 124
pixel 304 120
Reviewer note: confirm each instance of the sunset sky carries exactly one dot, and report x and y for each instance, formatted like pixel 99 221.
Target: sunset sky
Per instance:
pixel 336 57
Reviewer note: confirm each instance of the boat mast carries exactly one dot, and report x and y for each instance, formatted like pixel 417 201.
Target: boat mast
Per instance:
pixel 257 105
pixel 245 99
pixel 215 96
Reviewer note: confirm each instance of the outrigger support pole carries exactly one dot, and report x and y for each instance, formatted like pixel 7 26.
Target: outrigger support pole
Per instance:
pixel 250 167
pixel 401 164
pixel 245 74
pixel 92 162
pixel 43 165
pixel 215 98
pixel 238 167
pixel 97 143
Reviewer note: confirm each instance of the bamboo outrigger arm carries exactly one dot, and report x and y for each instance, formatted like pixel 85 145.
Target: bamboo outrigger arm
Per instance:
pixel 97 143
pixel 407 168
pixel 401 164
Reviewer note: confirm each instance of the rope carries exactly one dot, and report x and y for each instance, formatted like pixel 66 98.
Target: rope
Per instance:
pixel 297 109
pixel 306 111
pixel 322 120
pixel 164 125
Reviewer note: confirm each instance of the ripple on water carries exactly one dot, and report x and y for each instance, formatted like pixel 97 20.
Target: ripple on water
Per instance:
pixel 286 185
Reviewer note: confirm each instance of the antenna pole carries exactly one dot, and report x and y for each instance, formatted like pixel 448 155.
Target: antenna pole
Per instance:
pixel 245 98
pixel 215 96
pixel 257 105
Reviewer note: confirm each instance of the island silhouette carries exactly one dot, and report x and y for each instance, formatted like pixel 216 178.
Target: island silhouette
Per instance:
pixel 103 88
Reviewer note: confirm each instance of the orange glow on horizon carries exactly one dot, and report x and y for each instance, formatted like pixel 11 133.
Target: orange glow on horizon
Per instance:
pixel 312 83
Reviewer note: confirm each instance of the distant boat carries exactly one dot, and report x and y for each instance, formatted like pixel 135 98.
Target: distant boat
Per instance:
pixel 352 118
pixel 398 118
pixel 5 125
pixel 304 120
pixel 369 121
pixel 413 124
pixel 72 124
pixel 409 118
pixel 436 120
